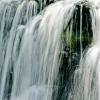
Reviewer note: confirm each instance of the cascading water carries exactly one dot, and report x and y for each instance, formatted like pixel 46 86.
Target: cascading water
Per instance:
pixel 32 47
pixel 12 15
pixel 87 78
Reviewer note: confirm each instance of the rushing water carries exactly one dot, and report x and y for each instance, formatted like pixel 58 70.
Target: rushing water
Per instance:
pixel 31 50
pixel 87 77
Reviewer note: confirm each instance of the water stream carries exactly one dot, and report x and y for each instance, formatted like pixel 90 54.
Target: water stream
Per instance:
pixel 32 48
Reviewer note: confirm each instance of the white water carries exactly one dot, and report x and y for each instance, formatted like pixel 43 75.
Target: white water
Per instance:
pixel 31 52
pixel 30 45
pixel 87 77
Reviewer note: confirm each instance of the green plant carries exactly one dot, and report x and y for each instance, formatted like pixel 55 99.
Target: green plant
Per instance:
pixel 73 39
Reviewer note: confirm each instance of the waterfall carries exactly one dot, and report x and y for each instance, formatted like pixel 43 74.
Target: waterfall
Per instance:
pixel 34 45
pixel 12 15
pixel 87 77
pixel 30 49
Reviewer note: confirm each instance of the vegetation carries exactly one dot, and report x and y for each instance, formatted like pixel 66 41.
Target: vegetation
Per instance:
pixel 73 39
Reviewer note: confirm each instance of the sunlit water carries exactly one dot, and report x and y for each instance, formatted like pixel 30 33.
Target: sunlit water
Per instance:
pixel 30 46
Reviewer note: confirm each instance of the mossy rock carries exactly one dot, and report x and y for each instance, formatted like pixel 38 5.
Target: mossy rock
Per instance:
pixel 73 39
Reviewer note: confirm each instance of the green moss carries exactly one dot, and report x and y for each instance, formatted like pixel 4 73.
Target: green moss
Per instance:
pixel 73 39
